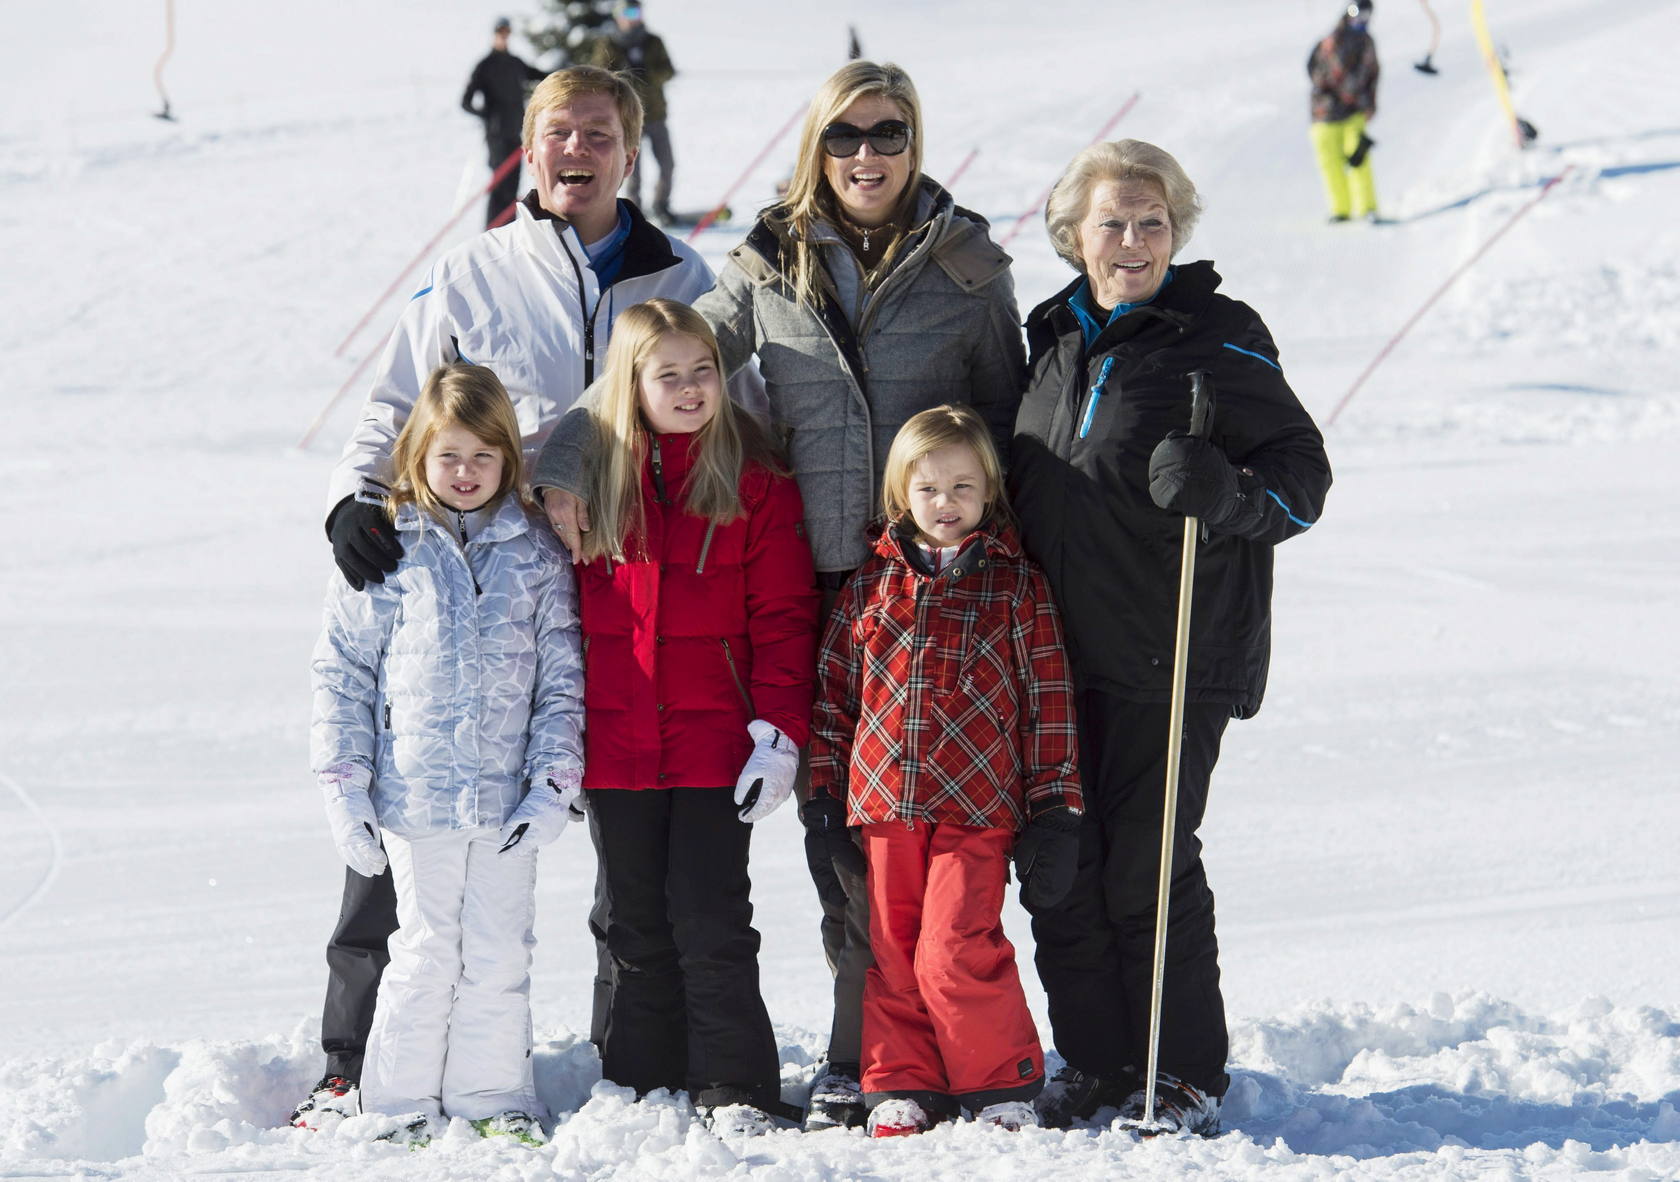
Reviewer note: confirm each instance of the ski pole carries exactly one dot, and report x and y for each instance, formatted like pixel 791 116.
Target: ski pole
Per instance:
pixel 506 166
pixel 1427 65
pixel 1521 129
pixel 333 401
pixel 723 202
pixel 1201 422
pixel 168 48
pixel 1045 196
pixel 1441 291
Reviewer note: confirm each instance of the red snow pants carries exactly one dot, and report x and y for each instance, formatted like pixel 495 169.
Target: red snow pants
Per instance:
pixel 944 1017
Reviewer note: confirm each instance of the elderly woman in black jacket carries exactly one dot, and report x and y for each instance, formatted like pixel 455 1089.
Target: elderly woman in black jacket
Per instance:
pixel 1103 471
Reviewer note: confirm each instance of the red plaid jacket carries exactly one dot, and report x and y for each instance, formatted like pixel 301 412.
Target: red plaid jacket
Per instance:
pixel 945 697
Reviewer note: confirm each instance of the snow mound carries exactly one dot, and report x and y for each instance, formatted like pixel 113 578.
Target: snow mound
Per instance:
pixel 1325 1091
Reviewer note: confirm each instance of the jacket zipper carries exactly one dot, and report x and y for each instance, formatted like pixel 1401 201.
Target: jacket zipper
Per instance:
pixel 1096 396
pixel 461 521
pixel 588 315
pixel 658 468
pixel 735 674
pixel 705 548
pixel 387 716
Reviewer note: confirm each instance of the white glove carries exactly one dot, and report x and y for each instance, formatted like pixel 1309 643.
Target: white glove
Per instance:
pixel 542 815
pixel 355 827
pixel 768 777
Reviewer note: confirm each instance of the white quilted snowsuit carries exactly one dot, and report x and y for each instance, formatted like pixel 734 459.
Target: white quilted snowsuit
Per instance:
pixel 449 688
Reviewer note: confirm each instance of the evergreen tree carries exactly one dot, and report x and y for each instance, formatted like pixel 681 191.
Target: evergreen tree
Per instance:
pixel 570 26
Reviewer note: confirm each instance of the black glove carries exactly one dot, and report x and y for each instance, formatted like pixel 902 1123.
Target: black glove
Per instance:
pixel 825 819
pixel 1366 143
pixel 1191 476
pixel 364 542
pixel 1046 855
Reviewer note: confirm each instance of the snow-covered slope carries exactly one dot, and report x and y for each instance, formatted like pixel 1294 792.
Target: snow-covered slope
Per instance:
pixel 1444 850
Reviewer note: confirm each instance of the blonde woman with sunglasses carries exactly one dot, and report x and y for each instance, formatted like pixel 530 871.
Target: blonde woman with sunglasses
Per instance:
pixel 866 296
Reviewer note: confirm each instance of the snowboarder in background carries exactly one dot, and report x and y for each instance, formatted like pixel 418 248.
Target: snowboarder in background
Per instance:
pixel 499 80
pixel 1343 69
pixel 530 301
pixel 631 48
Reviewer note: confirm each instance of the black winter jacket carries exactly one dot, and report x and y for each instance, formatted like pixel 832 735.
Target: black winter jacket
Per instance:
pixel 1111 555
pixel 500 78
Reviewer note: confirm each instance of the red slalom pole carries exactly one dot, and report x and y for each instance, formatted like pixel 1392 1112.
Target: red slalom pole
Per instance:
pixel 1045 196
pixel 507 166
pixel 951 181
pixel 333 401
pixel 723 202
pixel 1442 290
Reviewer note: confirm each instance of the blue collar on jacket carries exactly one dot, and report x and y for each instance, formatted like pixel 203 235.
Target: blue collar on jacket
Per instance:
pixel 1090 313
pixel 606 257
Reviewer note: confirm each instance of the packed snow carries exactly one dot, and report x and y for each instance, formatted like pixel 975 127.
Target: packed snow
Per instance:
pixel 1444 851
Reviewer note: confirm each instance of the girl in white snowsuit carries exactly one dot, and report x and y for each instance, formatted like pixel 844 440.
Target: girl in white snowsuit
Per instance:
pixel 448 718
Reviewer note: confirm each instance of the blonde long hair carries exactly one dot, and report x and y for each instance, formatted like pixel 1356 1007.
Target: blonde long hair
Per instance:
pixel 730 439
pixel 809 195
pixel 928 431
pixel 458 394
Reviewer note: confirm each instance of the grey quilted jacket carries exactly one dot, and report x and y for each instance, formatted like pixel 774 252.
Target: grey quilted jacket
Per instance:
pixel 456 682
pixel 940 327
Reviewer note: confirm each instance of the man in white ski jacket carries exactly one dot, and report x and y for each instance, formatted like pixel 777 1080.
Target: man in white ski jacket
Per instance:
pixel 534 301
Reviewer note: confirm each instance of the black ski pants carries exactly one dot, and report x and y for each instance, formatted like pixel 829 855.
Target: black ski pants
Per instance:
pixel 506 190
pixel 686 1010
pixel 844 897
pixel 1095 950
pixel 356 958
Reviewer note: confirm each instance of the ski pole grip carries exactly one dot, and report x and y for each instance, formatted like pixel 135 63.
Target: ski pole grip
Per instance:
pixel 1201 403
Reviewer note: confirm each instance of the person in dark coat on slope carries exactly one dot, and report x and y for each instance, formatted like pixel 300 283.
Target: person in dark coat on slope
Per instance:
pixel 631 48
pixel 1102 474
pixel 496 94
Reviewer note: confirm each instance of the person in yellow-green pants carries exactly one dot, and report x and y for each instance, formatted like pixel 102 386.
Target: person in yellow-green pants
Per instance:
pixel 1343 68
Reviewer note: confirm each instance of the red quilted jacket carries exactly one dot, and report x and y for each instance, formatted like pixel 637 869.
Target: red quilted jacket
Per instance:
pixel 946 697
pixel 713 627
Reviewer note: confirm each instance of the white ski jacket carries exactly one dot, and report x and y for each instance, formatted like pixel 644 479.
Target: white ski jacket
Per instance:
pixel 521 300
pixel 458 681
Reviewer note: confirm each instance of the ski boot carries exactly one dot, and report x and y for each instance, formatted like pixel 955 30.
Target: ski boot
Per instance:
pixel 1072 1094
pixel 414 1131
pixel 836 1100
pixel 514 1125
pixel 731 1111
pixel 1013 1115
pixel 1179 1108
pixel 328 1102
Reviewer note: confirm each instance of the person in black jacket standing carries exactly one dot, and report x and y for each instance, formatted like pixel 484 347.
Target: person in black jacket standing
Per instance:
pixel 1102 474
pixel 500 79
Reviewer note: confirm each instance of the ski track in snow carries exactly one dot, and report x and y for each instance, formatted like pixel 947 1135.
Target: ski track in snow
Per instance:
pixel 1444 851
pixel 55 859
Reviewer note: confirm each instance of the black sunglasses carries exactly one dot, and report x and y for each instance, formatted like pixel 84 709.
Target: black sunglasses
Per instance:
pixel 889 137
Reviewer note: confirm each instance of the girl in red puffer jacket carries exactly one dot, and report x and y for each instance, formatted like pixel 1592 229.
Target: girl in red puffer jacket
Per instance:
pixel 698 605
pixel 945 720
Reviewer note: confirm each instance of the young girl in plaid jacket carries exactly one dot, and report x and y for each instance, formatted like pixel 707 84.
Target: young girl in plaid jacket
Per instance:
pixel 945 720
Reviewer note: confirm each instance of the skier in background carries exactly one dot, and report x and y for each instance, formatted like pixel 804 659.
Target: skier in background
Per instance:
pixel 631 48
pixel 500 79
pixel 1343 69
